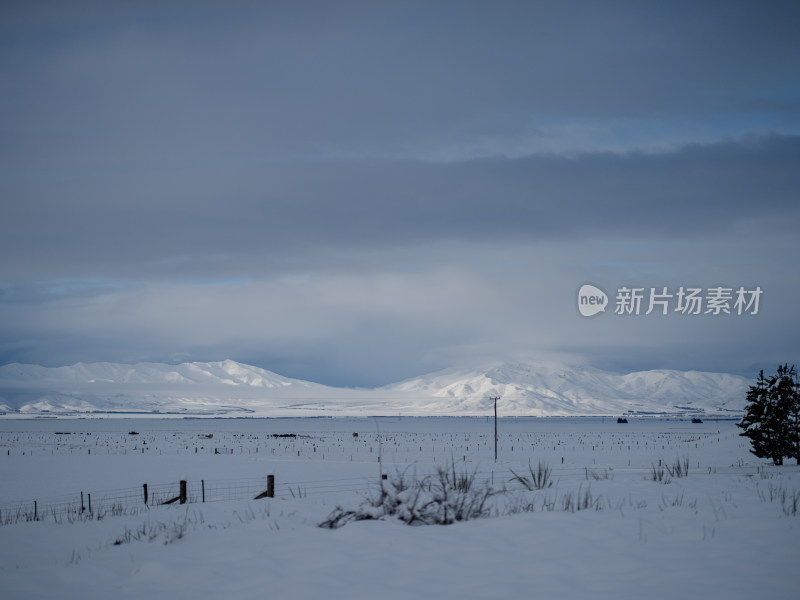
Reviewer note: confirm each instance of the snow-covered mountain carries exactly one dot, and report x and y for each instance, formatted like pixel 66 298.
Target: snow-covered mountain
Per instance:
pixel 227 372
pixel 214 388
pixel 559 390
pixel 229 388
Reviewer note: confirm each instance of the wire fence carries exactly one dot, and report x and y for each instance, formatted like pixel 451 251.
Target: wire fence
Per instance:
pixel 127 501
pixel 130 501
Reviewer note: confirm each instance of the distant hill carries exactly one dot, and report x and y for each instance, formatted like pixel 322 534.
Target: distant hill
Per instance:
pixel 228 388
pixel 550 389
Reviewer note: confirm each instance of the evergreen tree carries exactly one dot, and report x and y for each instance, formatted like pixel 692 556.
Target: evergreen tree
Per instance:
pixel 794 416
pixel 753 421
pixel 772 416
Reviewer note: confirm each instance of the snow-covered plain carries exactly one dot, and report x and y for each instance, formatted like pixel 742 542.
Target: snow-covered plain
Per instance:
pixel 605 529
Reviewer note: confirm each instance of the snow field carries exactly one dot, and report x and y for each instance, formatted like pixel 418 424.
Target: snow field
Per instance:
pixel 604 527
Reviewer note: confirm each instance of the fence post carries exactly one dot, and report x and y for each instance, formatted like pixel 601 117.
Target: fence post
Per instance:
pixel 35 510
pixel 145 494
pixel 83 508
pixel 270 493
pixel 203 486
pixel 90 504
pixel 183 492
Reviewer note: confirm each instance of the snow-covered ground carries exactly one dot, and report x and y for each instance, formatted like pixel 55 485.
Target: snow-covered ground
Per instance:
pixel 604 529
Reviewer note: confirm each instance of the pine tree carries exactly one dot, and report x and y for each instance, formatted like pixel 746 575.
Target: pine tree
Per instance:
pixel 753 421
pixel 772 416
pixel 794 416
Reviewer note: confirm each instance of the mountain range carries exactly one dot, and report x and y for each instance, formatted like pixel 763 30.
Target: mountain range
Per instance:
pixel 232 389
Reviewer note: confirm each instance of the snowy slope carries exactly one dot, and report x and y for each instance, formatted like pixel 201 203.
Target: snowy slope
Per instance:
pixel 554 389
pixel 226 372
pixel 229 388
pixel 215 388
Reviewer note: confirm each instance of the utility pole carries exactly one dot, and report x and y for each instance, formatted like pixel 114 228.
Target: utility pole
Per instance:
pixel 495 425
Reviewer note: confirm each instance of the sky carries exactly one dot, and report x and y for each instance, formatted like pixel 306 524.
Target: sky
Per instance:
pixel 355 193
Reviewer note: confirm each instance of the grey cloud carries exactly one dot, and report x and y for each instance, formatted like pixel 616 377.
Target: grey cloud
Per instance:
pixel 267 79
pixel 285 211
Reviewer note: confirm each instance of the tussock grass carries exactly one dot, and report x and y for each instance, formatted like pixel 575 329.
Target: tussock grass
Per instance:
pixel 679 468
pixel 538 479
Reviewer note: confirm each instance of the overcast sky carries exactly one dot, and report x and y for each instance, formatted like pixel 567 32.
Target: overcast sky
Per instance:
pixel 359 192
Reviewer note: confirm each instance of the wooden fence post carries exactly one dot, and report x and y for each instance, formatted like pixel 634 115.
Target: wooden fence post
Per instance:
pixel 83 508
pixel 183 492
pixel 203 487
pixel 145 494
pixel 35 510
pixel 270 493
pixel 90 504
